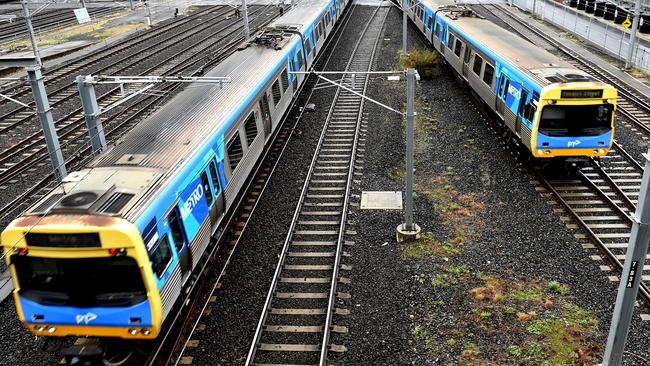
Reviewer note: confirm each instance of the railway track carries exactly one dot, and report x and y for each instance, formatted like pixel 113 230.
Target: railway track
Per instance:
pixel 297 317
pixel 62 91
pixel 47 21
pixel 32 150
pixel 632 105
pixel 599 204
pixel 171 349
pixel 600 200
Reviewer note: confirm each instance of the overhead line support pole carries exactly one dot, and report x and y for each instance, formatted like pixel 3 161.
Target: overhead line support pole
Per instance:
pixel 409 230
pixel 628 288
pixel 32 35
pixel 404 27
pixel 635 26
pixel 44 113
pixel 91 113
pixel 245 16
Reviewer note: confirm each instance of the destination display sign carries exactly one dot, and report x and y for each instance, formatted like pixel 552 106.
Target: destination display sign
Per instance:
pixel 582 94
pixel 63 240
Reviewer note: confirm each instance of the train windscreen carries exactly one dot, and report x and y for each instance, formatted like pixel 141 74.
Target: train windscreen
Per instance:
pixel 576 120
pixel 80 282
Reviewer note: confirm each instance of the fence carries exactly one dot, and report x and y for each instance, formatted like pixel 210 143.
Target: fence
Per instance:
pixel 611 38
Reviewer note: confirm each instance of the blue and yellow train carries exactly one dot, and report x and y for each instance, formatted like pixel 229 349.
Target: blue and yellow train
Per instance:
pixel 552 108
pixel 108 252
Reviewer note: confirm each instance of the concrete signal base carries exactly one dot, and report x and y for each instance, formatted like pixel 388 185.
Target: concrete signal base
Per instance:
pixel 403 234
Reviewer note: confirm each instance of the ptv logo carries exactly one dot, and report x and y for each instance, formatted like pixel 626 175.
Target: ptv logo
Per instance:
pixel 85 318
pixel 573 143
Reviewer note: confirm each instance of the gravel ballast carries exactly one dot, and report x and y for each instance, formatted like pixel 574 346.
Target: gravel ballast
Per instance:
pixel 403 312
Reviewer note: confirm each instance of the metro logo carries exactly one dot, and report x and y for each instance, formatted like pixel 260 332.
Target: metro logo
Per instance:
pixel 192 201
pixel 512 90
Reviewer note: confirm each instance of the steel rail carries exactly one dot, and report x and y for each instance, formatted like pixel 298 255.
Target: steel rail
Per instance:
pixel 257 170
pixel 294 221
pixel 78 123
pixel 63 69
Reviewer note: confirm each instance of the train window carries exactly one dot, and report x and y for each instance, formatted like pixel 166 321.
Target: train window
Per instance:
pixel 530 111
pixel 176 228
pixel 458 47
pixel 235 151
pixel 522 102
pixel 316 33
pixel 299 56
pixel 307 46
pixel 285 79
pixel 161 256
pixel 207 189
pixel 450 42
pixel 275 89
pixel 251 129
pixel 468 52
pixel 213 177
pixel 478 62
pixel 488 74
pixel 430 23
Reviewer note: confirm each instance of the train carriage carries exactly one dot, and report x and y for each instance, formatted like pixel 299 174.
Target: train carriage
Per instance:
pixel 109 252
pixel 554 109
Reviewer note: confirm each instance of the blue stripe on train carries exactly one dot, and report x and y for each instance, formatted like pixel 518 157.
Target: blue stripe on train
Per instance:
pixel 579 142
pixel 95 316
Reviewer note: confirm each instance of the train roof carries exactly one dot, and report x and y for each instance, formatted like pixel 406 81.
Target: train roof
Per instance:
pixel 168 139
pixel 539 64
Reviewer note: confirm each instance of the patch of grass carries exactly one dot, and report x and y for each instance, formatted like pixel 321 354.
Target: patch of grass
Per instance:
pixel 515 351
pixel 442 280
pixel 577 316
pixel 558 288
pixel 543 326
pixel 451 342
pixel 426 247
pixel 423 60
pixel 485 315
pixel 422 335
pixel 471 350
pixel 529 295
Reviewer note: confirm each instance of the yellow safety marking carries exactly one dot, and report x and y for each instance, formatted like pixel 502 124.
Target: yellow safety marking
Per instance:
pixel 627 23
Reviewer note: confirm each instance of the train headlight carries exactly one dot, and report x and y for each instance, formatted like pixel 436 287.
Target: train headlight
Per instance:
pixel 39 328
pixel 539 152
pixel 21 251
pixel 547 152
pixel 551 101
pixel 117 252
pixel 595 152
pixel 133 331
pixel 51 330
pixel 145 331
pixel 602 151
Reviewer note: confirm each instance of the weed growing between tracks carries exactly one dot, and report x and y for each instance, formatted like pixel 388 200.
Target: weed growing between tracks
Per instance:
pixel 100 30
pixel 477 318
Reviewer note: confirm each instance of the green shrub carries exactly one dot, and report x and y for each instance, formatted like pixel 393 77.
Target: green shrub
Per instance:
pixel 423 60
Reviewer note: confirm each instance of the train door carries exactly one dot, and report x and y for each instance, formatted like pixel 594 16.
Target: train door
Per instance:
pixel 266 113
pixel 466 58
pixel 501 94
pixel 520 110
pixel 180 241
pixel 217 210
